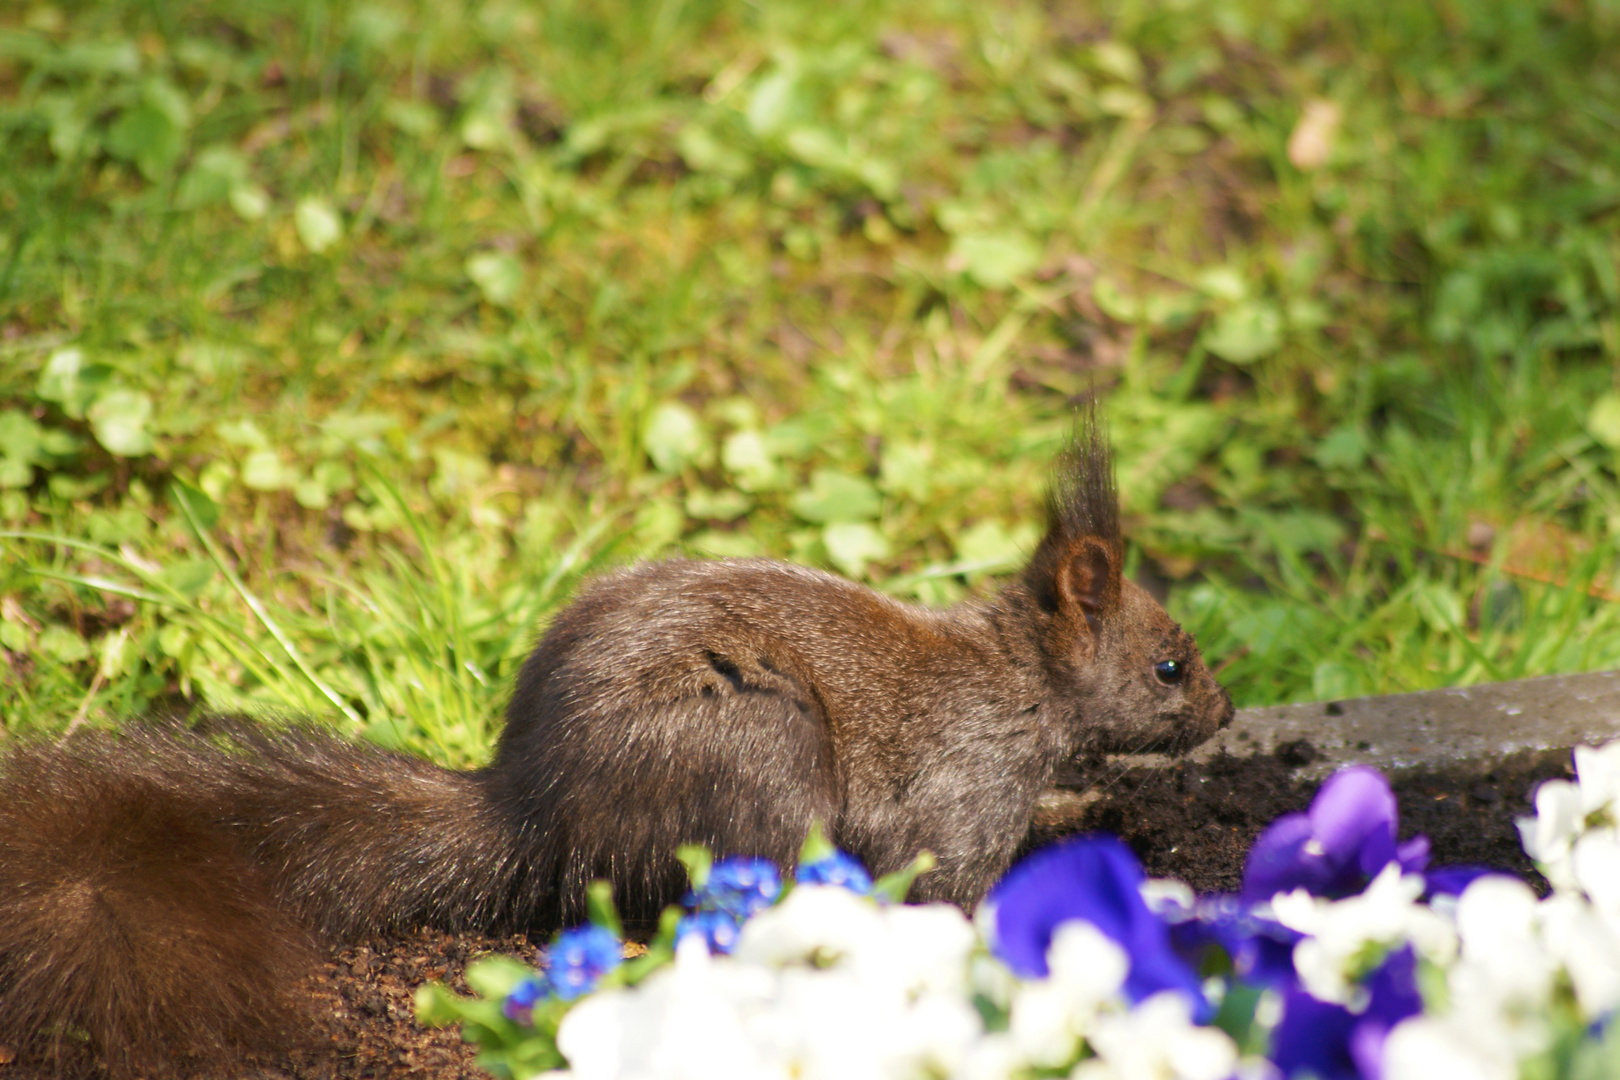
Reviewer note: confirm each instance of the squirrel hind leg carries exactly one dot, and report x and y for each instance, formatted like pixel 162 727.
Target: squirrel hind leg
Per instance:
pixel 133 930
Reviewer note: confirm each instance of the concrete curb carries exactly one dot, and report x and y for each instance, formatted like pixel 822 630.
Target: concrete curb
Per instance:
pixel 1432 729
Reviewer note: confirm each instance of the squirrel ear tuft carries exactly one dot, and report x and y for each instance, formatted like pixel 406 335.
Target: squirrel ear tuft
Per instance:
pixel 1088 581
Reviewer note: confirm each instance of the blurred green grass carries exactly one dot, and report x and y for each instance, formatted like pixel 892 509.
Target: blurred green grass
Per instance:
pixel 422 312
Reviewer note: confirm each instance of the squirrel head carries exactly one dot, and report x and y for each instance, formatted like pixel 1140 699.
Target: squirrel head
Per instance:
pixel 1131 678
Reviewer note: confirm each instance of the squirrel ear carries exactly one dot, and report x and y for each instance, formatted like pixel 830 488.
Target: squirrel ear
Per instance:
pixel 1088 580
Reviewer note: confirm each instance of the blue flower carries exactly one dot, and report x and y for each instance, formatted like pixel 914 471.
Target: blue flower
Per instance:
pixel 1330 1042
pixel 720 930
pixel 839 869
pixel 738 886
pixel 1261 950
pixel 1452 880
pixel 1097 879
pixel 518 1006
pixel 1336 847
pixel 579 958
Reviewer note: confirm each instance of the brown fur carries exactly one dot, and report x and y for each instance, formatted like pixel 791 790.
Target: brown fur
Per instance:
pixel 158 889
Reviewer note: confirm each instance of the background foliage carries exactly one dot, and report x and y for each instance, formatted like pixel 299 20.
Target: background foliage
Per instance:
pixel 339 339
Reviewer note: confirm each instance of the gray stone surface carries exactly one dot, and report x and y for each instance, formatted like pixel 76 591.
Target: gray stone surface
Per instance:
pixel 1435 728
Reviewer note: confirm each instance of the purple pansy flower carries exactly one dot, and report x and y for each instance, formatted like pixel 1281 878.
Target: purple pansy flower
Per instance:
pixel 1261 950
pixel 1097 879
pixel 579 958
pixel 1337 846
pixel 838 869
pixel 1452 880
pixel 1315 1038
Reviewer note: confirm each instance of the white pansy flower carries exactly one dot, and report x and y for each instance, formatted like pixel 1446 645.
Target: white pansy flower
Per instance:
pixel 1339 932
pixel 1049 1016
pixel 1422 1048
pixel 1548 836
pixel 1157 1040
pixel 686 1022
pixel 1594 861
pixel 908 949
pixel 1588 949
pixel 1565 812
pixel 1499 989
pixel 994 1057
pixel 929 944
pixel 819 924
pixel 1598 771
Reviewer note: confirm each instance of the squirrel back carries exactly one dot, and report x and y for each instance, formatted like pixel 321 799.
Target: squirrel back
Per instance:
pixel 158 887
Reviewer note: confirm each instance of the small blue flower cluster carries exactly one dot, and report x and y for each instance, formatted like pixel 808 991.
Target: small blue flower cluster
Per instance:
pixel 736 889
pixel 573 965
pixel 838 869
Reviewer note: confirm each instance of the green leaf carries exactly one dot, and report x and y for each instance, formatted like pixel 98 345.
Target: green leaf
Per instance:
pixel 1223 283
pixel 697 860
pixel 1345 447
pixel 1603 421
pixel 71 488
pixel 908 470
pixel 770 103
pixel 990 543
pixel 437 1005
pixel 203 508
pixel 214 173
pixel 250 201
pixel 99 58
pixel 747 457
pixel 724 545
pixel 995 260
pixel 835 496
pixel 375 26
pixel 852 544
pixel 63 645
pixel 317 223
pixel 894 887
pixel 14 636
pixel 1246 333
pixel 727 505
pixel 1115 302
pixel 499 276
pixel 497 976
pixel 20 436
pixel 70 382
pixel 816 845
pixel 1333 681
pixel 600 908
pixel 190 576
pixel 15 472
pixel 263 470
pixel 119 419
pixel 673 437
pixel 703 151
pixel 151 134
pixel 414 118
pixel 1302 531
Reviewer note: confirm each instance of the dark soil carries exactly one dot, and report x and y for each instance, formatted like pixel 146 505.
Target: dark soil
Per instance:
pixel 1193 821
pixel 361 1016
pixel 1196 821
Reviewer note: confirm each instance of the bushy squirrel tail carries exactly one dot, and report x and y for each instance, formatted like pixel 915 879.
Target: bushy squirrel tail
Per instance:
pixel 162 892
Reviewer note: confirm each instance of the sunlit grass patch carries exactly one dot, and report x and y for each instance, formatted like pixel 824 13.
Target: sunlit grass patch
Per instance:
pixel 444 306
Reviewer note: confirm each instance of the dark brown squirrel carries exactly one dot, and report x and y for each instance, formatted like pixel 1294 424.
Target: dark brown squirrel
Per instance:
pixel 161 890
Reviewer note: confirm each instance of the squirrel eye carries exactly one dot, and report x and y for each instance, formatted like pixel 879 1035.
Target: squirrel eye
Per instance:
pixel 1168 672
